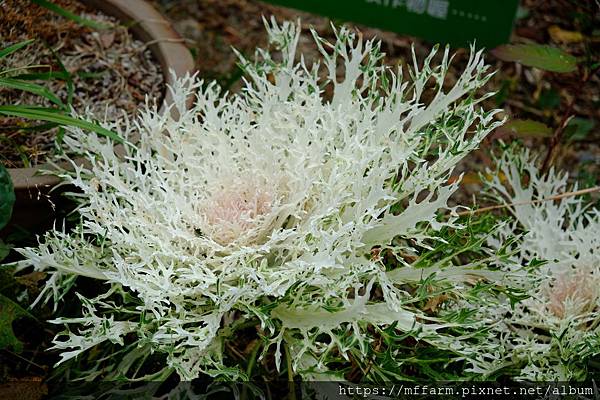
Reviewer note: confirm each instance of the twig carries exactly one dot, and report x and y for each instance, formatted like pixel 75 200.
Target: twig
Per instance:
pixel 160 40
pixel 522 106
pixel 25 359
pixel 522 203
pixel 557 137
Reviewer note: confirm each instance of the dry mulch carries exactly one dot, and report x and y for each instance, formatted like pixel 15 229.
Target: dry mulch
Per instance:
pixel 111 71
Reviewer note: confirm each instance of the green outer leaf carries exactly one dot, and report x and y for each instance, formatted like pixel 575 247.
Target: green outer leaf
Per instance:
pixel 10 311
pixel 578 128
pixel 527 128
pixel 539 56
pixel 31 88
pixel 52 115
pixel 549 99
pixel 4 249
pixel 14 47
pixel 69 15
pixel 7 197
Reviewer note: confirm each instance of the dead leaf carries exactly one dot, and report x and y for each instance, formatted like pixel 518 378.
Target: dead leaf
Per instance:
pixel 250 346
pixel 375 254
pixel 560 35
pixel 474 178
pixel 137 95
pixel 235 35
pixel 31 280
pixel 107 39
pixel 25 388
pixel 433 303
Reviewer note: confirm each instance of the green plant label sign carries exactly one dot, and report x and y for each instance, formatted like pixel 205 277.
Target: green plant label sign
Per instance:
pixel 457 22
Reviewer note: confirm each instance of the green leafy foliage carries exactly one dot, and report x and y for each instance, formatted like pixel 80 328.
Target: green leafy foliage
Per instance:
pixel 7 196
pixel 504 92
pixel 544 57
pixel 578 128
pixel 4 249
pixel 549 99
pixel 9 312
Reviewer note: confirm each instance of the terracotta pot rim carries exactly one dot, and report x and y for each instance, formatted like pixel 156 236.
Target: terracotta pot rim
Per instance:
pixel 166 46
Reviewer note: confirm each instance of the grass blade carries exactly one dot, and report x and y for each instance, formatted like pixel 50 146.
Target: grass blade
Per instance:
pixel 69 15
pixel 38 127
pixel 31 88
pixel 68 77
pixel 60 135
pixel 42 76
pixel 53 115
pixel 14 47
pixel 9 71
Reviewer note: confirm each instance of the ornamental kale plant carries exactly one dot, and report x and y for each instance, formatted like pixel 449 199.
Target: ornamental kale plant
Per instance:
pixel 310 207
pixel 554 333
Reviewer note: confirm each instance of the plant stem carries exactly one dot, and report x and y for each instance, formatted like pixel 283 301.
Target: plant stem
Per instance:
pixel 290 373
pixel 556 139
pixel 251 364
pixel 252 360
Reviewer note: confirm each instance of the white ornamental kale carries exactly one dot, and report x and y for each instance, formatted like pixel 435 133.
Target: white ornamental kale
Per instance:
pixel 554 332
pixel 267 205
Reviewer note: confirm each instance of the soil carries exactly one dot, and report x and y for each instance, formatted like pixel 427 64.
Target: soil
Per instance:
pixel 111 72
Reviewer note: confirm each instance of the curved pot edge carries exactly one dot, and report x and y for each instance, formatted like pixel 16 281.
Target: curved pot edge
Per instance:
pixel 167 47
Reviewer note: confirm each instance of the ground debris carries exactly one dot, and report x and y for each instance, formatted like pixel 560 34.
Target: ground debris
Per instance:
pixel 111 72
